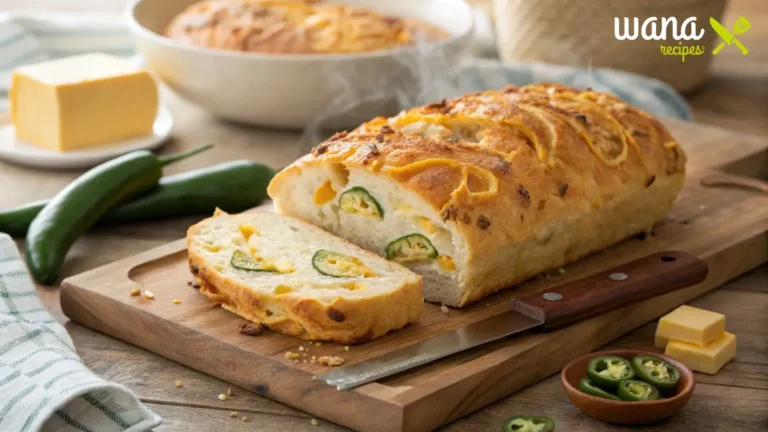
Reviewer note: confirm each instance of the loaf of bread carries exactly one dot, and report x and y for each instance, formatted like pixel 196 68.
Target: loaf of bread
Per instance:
pixel 485 191
pixel 295 26
pixel 300 280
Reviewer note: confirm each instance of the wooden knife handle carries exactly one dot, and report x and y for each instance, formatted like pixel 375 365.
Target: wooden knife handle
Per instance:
pixel 647 277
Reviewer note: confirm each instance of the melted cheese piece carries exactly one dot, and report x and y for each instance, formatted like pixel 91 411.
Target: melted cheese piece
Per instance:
pixel 82 101
pixel 247 230
pixel 463 192
pixel 324 193
pixel 446 262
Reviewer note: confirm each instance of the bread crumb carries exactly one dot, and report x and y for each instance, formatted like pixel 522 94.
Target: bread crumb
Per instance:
pixel 331 361
pixel 346 348
pixel 222 397
pixel 179 383
pixel 250 329
pixel 303 361
pixel 318 344
pixel 176 301
pixel 245 419
pixel 301 348
pixel 135 292
pixel 291 355
pixel 233 414
pixel 444 308
pixel 314 422
pixel 149 294
pixel 561 270
pixel 229 392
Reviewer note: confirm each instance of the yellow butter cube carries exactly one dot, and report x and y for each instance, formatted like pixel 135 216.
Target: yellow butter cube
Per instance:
pixel 708 359
pixel 82 101
pixel 692 325
pixel 660 341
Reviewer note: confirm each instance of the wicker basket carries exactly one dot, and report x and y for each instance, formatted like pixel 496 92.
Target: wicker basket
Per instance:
pixel 581 32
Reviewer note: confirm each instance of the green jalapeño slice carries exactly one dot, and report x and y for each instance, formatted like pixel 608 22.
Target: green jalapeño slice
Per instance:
pixel 240 260
pixel 413 247
pixel 358 200
pixel 607 371
pixel 656 371
pixel 529 424
pixel 587 387
pixel 634 391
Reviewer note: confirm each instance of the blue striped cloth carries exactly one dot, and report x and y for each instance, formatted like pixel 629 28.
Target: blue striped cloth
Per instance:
pixel 43 383
pixel 29 37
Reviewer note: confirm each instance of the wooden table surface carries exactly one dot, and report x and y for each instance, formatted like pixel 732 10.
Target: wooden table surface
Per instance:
pixel 736 399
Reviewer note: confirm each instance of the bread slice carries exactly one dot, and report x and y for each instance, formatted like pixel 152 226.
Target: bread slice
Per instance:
pixel 300 280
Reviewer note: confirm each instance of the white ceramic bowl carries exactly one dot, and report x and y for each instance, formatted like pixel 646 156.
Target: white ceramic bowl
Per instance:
pixel 301 90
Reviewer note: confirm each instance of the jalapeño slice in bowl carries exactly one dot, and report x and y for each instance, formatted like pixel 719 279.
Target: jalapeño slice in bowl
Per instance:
pixel 241 260
pixel 634 390
pixel 587 387
pixel 413 247
pixel 656 371
pixel 335 264
pixel 529 424
pixel 358 200
pixel 607 371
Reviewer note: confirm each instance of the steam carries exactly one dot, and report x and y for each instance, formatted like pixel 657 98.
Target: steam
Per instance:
pixel 385 85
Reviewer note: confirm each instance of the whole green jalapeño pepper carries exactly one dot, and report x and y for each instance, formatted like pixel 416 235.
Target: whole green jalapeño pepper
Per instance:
pixel 529 424
pixel 607 371
pixel 76 208
pixel 656 371
pixel 635 391
pixel 231 186
pixel 587 387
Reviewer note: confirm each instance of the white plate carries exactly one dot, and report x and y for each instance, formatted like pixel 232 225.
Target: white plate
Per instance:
pixel 27 154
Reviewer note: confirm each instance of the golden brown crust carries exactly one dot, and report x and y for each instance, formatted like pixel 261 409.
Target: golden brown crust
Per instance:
pixel 507 167
pixel 348 321
pixel 294 26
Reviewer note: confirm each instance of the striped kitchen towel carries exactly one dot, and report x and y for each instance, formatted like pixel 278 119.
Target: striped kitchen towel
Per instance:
pixel 44 386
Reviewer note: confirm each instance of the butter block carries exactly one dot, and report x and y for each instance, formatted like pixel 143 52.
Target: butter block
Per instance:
pixel 82 101
pixel 660 341
pixel 708 359
pixel 692 325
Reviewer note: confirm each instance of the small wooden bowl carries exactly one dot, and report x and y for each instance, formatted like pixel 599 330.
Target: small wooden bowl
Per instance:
pixel 625 412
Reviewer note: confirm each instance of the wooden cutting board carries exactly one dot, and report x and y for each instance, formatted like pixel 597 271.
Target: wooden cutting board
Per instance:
pixel 725 226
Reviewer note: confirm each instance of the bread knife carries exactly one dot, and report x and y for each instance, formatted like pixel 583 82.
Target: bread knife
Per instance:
pixel 557 307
